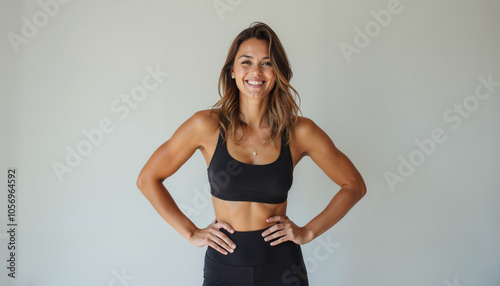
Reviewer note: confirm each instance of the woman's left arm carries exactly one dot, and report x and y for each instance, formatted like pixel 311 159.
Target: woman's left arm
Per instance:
pixel 315 143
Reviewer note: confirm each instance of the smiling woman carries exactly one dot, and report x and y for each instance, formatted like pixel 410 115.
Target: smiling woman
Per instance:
pixel 252 139
pixel 252 71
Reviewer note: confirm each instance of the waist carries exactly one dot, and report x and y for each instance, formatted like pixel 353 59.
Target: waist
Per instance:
pixel 252 250
pixel 247 216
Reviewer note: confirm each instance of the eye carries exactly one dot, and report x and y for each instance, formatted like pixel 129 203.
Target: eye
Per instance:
pixel 245 62
pixel 267 63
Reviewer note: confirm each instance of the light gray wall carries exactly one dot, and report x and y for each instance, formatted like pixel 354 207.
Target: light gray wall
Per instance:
pixel 431 213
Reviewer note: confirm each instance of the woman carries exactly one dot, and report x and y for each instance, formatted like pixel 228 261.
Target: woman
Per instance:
pixel 251 140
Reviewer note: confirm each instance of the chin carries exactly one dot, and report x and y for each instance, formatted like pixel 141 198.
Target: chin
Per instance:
pixel 256 95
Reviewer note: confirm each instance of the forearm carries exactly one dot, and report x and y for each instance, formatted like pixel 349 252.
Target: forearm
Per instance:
pixel 164 204
pixel 338 207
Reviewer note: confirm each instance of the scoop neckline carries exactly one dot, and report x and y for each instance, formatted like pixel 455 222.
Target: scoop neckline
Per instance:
pixel 268 164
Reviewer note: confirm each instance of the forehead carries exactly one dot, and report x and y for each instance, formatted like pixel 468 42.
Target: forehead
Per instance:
pixel 253 47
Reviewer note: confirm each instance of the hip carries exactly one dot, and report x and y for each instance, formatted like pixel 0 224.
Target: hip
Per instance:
pixel 252 250
pixel 255 262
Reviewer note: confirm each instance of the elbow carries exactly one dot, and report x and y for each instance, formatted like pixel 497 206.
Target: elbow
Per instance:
pixel 362 190
pixel 145 183
pixel 140 183
pixel 358 189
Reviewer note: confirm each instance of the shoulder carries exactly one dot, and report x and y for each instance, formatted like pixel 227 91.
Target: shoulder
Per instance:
pixel 205 118
pixel 203 124
pixel 304 127
pixel 308 136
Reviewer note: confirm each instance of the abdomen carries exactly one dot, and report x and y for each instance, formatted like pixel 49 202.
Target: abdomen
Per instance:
pixel 247 216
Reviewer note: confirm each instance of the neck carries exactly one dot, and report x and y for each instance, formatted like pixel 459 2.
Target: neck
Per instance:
pixel 254 110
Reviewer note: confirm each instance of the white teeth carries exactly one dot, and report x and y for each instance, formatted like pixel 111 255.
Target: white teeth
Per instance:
pixel 255 82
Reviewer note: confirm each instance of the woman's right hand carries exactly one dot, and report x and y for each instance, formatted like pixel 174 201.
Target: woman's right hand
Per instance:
pixel 213 237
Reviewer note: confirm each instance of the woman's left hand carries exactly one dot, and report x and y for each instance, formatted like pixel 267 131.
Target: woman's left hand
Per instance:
pixel 285 230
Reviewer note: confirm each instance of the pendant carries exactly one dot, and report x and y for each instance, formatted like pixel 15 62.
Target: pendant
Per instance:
pixel 254 153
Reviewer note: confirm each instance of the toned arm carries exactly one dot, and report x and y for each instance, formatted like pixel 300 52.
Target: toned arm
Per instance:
pixel 164 162
pixel 316 144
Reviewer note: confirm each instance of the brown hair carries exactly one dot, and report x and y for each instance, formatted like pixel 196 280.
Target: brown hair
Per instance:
pixel 282 109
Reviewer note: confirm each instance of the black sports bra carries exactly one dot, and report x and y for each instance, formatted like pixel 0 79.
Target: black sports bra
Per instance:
pixel 232 180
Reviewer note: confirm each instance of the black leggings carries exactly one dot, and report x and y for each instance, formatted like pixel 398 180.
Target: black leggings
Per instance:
pixel 255 262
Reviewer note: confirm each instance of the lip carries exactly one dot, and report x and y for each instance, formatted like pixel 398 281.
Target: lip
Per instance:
pixel 255 86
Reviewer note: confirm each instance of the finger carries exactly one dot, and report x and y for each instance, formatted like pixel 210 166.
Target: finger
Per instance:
pixel 273 228
pixel 225 225
pixel 223 237
pixel 217 247
pixel 222 243
pixel 275 235
pixel 280 240
pixel 275 219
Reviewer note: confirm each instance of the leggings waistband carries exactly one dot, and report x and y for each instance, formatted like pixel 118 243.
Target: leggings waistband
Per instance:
pixel 251 249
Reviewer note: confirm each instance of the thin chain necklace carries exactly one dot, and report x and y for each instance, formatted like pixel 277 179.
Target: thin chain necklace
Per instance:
pixel 255 150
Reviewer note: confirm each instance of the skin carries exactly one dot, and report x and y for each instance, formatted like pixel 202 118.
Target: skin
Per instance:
pixel 200 132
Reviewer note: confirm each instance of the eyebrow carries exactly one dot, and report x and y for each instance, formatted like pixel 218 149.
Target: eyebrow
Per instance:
pixel 247 56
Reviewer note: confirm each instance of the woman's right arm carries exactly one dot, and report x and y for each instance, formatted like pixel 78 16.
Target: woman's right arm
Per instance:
pixel 164 162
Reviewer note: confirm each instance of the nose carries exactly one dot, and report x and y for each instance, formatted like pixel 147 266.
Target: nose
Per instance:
pixel 257 70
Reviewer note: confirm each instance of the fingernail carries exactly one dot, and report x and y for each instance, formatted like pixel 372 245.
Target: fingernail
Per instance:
pixel 230 250
pixel 225 252
pixel 233 246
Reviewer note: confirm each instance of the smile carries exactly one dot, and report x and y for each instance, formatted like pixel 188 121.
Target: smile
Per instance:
pixel 254 83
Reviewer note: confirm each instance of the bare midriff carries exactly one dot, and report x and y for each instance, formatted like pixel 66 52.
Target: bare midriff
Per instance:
pixel 247 216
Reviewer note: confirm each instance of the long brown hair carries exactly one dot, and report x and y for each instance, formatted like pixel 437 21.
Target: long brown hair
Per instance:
pixel 282 109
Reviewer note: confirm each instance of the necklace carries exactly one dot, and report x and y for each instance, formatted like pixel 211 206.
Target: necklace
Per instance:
pixel 255 150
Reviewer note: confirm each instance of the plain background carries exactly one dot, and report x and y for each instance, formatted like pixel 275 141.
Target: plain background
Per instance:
pixel 92 226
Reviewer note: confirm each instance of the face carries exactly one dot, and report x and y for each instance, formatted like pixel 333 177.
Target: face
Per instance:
pixel 252 69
